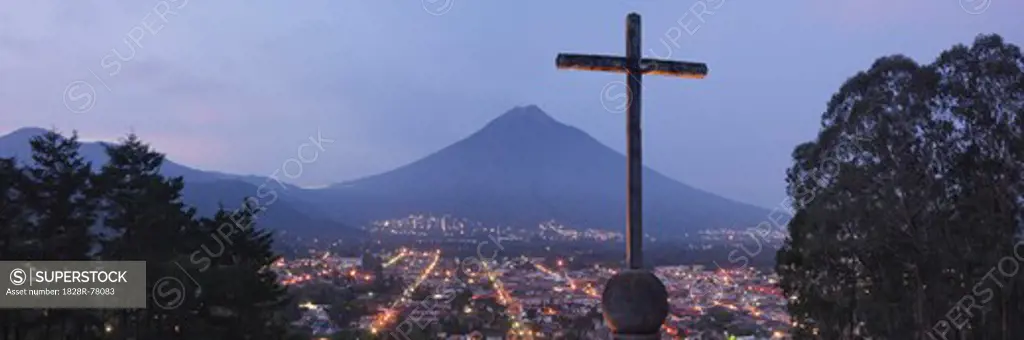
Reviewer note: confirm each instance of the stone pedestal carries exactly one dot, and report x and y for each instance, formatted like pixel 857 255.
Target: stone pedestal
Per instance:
pixel 635 304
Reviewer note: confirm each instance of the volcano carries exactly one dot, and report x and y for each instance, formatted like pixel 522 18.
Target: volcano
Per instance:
pixel 525 167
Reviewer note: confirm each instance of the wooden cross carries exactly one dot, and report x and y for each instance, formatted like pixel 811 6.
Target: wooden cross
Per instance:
pixel 635 66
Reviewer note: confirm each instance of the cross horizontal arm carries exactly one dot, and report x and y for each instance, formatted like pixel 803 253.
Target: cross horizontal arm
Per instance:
pixel 674 68
pixel 590 62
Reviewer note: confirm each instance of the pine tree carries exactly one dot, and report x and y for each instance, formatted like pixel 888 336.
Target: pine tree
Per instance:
pixel 60 205
pixel 13 233
pixel 12 216
pixel 142 207
pixel 60 199
pixel 47 211
pixel 146 220
pixel 241 294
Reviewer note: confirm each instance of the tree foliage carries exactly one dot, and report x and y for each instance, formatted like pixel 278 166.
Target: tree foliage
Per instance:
pixel 909 199
pixel 55 207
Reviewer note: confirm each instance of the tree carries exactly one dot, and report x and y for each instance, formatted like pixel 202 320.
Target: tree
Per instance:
pixel 59 199
pixel 59 203
pixel 145 220
pixel 14 238
pixel 909 198
pixel 241 293
pixel 143 208
pixel 56 208
pixel 12 216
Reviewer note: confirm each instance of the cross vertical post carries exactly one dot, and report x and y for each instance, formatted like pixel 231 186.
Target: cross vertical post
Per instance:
pixel 634 145
pixel 634 302
pixel 634 65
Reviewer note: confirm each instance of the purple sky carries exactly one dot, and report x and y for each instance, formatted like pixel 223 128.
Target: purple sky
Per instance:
pixel 237 86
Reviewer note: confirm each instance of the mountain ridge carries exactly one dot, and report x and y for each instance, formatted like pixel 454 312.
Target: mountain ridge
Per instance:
pixel 521 168
pixel 207 191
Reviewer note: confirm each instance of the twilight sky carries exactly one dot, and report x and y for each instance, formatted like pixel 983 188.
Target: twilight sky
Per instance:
pixel 237 86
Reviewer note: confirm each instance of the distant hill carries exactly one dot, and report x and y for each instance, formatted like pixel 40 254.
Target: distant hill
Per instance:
pixel 208 190
pixel 524 167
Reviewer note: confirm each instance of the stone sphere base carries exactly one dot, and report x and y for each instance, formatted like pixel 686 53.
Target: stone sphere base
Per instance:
pixel 635 303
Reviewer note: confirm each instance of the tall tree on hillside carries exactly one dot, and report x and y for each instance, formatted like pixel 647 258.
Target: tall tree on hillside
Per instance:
pixel 60 203
pixel 12 216
pixel 142 208
pixel 13 232
pixel 242 298
pixel 59 198
pixel 909 198
pixel 147 221
pixel 264 297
